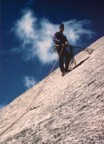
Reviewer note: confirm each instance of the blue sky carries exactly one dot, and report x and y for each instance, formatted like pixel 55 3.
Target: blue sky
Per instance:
pixel 26 30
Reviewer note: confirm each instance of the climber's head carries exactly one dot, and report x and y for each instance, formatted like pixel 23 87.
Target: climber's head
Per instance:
pixel 61 27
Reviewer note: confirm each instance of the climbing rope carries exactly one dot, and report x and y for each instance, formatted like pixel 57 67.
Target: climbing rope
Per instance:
pixel 36 96
pixel 34 100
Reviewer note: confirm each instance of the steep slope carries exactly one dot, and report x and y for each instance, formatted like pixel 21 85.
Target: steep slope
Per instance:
pixel 65 110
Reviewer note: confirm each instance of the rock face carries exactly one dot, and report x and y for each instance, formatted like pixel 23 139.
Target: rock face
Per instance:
pixel 61 110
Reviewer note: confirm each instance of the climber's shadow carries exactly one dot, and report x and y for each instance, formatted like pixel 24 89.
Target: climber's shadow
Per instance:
pixel 71 67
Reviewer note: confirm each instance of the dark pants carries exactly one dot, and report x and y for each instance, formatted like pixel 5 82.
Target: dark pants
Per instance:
pixel 64 57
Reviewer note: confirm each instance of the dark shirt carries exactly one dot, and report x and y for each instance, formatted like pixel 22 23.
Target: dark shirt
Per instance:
pixel 59 38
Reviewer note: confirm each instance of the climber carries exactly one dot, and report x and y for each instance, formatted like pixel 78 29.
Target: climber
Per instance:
pixel 61 44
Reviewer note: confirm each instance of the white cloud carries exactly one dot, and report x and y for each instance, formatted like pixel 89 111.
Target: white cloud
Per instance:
pixel 36 34
pixel 75 30
pixel 29 81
